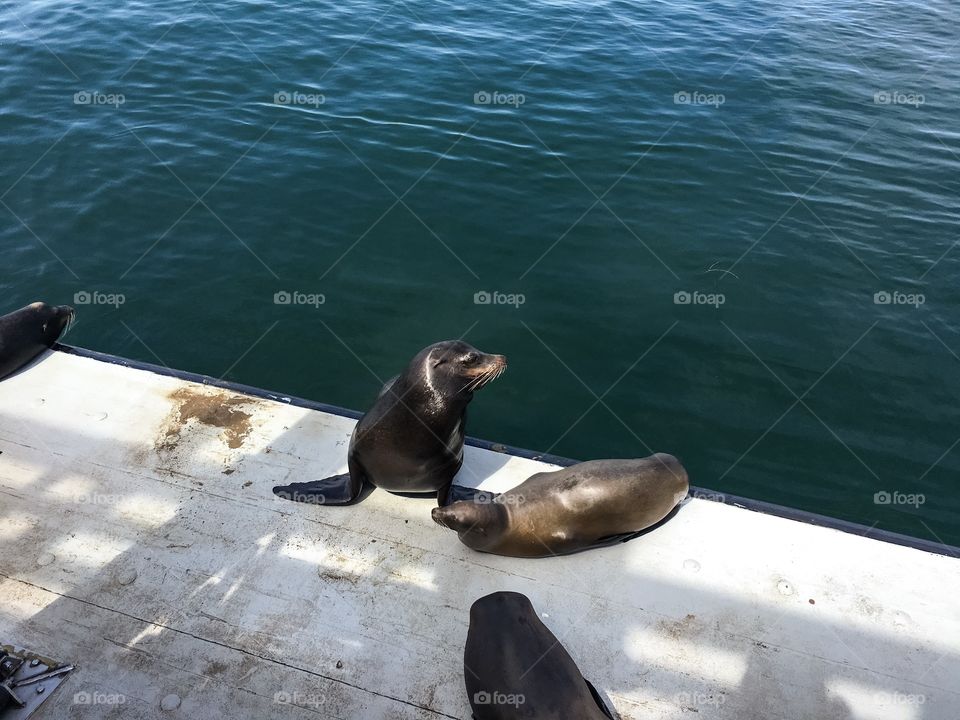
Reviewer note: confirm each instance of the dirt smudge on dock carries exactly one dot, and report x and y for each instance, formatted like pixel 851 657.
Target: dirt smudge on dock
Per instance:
pixel 679 628
pixel 213 408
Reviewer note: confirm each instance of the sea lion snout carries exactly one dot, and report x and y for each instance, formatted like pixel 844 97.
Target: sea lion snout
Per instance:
pixel 439 517
pixel 499 361
pixel 483 369
pixel 480 363
pixel 452 516
pixel 497 603
pixel 57 320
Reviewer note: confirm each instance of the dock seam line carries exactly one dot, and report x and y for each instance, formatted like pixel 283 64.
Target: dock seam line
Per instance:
pixel 225 645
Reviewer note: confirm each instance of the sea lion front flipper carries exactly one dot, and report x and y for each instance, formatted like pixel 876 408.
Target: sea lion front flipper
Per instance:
pixel 599 700
pixel 455 493
pixel 443 496
pixel 334 490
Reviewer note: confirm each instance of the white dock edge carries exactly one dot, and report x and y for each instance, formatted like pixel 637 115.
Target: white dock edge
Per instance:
pixel 146 547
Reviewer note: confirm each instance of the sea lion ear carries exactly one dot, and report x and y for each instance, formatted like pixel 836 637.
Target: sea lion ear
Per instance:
pixel 437 358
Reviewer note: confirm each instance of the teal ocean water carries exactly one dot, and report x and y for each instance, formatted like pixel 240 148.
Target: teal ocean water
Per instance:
pixel 723 230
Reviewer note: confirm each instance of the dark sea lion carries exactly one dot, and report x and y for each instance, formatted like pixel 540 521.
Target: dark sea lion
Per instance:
pixel 514 667
pixel 590 504
pixel 411 440
pixel 29 331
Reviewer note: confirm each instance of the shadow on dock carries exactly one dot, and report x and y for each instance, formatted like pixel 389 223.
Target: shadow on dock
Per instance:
pixel 172 576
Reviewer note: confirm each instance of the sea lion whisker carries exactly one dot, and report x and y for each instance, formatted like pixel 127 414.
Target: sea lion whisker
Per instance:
pixel 475 385
pixel 491 376
pixel 478 382
pixel 487 377
pixel 473 382
pixel 71 321
pixel 469 382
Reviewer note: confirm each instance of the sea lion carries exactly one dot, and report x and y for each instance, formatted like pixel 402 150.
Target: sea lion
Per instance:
pixel 590 504
pixel 514 667
pixel 29 331
pixel 411 440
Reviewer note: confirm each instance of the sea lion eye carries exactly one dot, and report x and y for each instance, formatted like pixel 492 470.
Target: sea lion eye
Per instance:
pixel 470 358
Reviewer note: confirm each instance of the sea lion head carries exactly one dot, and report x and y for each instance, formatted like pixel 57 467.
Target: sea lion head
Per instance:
pixel 479 524
pixel 499 605
pixel 50 321
pixel 453 367
pixel 456 516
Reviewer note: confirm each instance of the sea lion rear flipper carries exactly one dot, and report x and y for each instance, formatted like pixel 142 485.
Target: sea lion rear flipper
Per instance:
pixel 334 490
pixel 625 537
pixel 599 700
pixel 621 538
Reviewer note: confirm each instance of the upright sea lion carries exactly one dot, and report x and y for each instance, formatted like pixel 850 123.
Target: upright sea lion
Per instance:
pixel 411 440
pixel 514 667
pixel 29 331
pixel 590 504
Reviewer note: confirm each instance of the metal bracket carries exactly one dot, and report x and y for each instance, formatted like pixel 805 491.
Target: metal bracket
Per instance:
pixel 26 680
